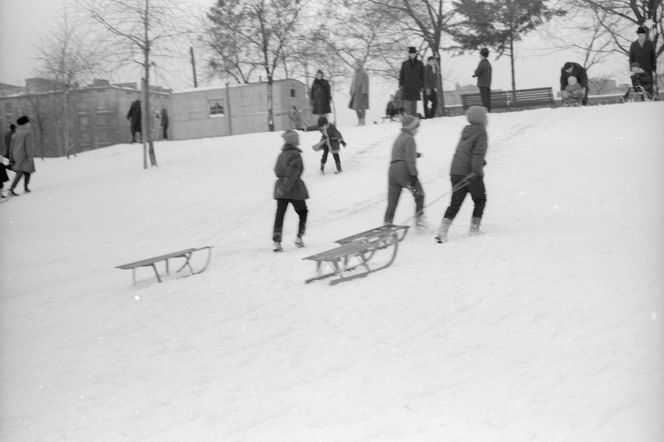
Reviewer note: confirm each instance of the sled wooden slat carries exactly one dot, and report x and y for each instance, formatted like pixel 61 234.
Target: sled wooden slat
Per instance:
pixel 185 254
pixel 354 254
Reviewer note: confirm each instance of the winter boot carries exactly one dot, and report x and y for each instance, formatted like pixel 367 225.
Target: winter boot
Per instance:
pixel 475 226
pixel 338 168
pixel 277 247
pixel 322 168
pixel 442 231
pixel 298 241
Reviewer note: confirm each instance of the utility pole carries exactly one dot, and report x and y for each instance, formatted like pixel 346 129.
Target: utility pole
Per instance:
pixel 193 65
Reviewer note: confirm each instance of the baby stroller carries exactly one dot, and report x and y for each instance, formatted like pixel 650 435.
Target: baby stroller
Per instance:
pixel 642 87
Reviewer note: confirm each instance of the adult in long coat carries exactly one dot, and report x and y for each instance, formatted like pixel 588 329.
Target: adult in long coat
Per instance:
pixel 483 74
pixel 642 51
pixel 289 188
pixel 571 69
pixel 320 96
pixel 23 154
pixel 359 93
pixel 134 116
pixel 411 81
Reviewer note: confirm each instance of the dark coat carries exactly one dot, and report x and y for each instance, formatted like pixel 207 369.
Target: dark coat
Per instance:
pixel 430 78
pixel 134 116
pixel 164 117
pixel 578 71
pixel 411 79
pixel 331 138
pixel 483 73
pixel 23 150
pixel 472 147
pixel 320 97
pixel 289 169
pixel 644 56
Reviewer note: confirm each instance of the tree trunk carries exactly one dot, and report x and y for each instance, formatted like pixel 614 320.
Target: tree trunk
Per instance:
pixel 147 129
pixel 439 80
pixel 512 67
pixel 270 104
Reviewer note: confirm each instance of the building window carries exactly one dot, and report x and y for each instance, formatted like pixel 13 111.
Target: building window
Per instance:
pixel 216 109
pixel 292 93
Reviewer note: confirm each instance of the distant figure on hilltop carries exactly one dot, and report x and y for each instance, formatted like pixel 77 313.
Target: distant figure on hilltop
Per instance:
pixel 134 116
pixel 411 81
pixel 483 74
pixel 642 51
pixel 359 93
pixel 320 96
pixel 574 69
pixel 6 157
pixel 164 122
pixel 430 88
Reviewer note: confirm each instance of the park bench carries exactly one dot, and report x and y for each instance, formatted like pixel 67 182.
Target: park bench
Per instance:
pixel 356 252
pixel 185 254
pixel 498 100
pixel 511 100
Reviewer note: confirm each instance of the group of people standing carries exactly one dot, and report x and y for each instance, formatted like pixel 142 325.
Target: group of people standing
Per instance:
pixel 135 117
pixel 18 155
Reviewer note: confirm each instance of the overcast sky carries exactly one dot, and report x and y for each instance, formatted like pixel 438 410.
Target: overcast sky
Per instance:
pixel 23 22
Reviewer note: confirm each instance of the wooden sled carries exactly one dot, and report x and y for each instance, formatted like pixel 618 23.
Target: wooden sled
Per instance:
pixel 185 254
pixel 355 253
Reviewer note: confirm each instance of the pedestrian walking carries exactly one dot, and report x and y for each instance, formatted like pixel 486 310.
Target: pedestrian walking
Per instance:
pixel 330 140
pixel 467 172
pixel 164 123
pixel 23 154
pixel 402 173
pixel 134 116
pixel 290 189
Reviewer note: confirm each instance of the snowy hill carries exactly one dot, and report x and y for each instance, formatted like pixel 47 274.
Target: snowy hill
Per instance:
pixel 548 327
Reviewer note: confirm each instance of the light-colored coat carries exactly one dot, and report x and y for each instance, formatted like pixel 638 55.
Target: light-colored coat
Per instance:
pixel 359 91
pixel 23 150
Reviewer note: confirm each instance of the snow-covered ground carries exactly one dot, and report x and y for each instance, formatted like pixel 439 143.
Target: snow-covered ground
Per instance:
pixel 546 328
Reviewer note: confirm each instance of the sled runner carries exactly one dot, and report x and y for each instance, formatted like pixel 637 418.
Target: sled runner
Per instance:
pixel 356 251
pixel 182 254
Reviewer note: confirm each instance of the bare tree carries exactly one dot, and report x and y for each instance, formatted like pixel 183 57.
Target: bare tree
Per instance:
pixel 70 55
pixel 251 35
pixel 428 21
pixel 649 13
pixel 144 29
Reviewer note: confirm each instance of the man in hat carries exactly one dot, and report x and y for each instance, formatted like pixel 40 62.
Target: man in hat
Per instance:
pixel 483 74
pixel 23 151
pixel 403 171
pixel 642 51
pixel 289 188
pixel 411 81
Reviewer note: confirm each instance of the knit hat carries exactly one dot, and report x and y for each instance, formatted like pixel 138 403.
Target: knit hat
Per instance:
pixel 412 50
pixel 410 122
pixel 476 115
pixel 22 120
pixel 484 52
pixel 322 121
pixel 291 137
pixel 641 30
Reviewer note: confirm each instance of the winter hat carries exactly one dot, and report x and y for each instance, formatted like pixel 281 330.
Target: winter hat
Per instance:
pixel 322 121
pixel 476 115
pixel 291 137
pixel 22 120
pixel 641 30
pixel 410 122
pixel 412 50
pixel 484 52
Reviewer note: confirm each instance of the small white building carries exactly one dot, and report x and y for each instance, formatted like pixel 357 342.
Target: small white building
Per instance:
pixel 238 109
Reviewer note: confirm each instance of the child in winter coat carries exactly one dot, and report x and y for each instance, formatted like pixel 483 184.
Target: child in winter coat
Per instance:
pixel 290 188
pixel 403 171
pixel 574 92
pixel 329 142
pixel 467 174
